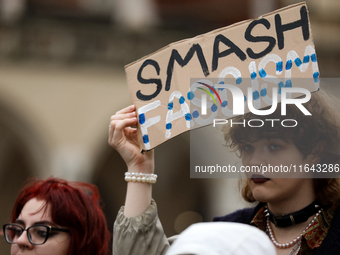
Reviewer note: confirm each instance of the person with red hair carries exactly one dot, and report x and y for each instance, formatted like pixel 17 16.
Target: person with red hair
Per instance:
pixel 59 218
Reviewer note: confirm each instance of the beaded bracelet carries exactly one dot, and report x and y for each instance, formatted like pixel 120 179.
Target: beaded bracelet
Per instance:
pixel 140 177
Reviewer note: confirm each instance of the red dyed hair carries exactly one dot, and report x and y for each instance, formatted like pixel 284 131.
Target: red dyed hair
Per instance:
pixel 74 205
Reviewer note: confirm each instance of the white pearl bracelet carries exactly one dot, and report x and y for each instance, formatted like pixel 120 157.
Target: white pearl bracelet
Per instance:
pixel 140 177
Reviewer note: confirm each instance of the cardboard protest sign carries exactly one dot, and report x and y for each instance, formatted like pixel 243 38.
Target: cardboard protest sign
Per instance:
pixel 273 48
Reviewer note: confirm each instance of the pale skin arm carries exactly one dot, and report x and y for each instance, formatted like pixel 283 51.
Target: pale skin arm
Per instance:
pixel 123 138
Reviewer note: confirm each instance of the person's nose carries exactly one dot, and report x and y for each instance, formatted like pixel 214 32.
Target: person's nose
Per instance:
pixel 23 241
pixel 258 157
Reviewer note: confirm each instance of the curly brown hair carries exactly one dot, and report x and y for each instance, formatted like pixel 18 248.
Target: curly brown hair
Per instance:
pixel 322 127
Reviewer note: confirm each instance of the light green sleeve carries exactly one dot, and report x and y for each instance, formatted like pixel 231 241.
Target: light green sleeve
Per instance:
pixel 140 235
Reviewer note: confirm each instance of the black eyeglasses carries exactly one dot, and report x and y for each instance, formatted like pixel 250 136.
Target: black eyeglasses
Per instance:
pixel 36 234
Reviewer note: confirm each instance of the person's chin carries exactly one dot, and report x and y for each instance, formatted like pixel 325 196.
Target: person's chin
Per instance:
pixel 260 191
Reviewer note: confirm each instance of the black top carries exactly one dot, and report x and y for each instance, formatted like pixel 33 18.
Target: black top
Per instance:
pixel 329 246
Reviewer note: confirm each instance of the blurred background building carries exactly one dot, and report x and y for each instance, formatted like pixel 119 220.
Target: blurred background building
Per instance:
pixel 62 77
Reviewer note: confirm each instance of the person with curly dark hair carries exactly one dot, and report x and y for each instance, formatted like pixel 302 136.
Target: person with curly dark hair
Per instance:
pixel 299 213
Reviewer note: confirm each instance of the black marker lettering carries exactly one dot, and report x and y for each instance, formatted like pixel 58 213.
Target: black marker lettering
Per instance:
pixel 183 62
pixel 303 23
pixel 249 37
pixel 233 49
pixel 158 82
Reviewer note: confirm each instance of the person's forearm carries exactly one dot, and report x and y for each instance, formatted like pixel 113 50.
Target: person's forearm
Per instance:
pixel 138 198
pixel 139 194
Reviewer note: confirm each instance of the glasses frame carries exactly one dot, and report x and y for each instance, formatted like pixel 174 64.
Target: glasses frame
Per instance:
pixel 49 230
